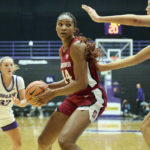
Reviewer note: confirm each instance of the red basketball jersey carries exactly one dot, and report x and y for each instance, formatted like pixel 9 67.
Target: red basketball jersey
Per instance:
pixel 68 74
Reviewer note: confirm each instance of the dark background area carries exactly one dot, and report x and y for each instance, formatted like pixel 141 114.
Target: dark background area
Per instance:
pixel 36 19
pixel 129 77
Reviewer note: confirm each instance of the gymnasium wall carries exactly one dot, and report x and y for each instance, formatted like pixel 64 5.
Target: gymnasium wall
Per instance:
pixel 127 77
pixel 36 20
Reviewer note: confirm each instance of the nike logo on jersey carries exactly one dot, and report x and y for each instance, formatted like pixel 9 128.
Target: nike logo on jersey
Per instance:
pixel 31 93
pixel 94 115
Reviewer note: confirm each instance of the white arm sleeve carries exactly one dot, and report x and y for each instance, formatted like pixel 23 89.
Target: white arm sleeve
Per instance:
pixel 21 84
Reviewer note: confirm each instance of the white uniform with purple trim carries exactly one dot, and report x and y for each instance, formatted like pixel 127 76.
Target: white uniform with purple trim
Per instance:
pixel 6 103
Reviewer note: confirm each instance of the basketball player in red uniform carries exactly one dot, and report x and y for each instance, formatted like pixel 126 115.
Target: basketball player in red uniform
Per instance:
pixel 132 20
pixel 86 99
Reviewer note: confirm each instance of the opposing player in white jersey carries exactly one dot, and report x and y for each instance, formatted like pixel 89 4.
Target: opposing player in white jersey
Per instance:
pixel 131 20
pixel 10 86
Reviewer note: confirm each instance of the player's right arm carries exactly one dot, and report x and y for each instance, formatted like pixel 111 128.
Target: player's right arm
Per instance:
pixel 128 19
pixel 58 84
pixel 21 102
pixel 143 55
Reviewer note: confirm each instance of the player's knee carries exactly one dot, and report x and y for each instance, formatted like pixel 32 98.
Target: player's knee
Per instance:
pixel 42 142
pixel 64 142
pixel 17 144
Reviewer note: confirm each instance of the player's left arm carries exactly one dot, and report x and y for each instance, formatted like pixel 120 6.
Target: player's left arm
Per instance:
pixel 143 55
pixel 80 72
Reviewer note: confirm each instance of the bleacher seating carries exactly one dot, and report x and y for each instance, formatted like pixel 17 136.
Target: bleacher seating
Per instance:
pixel 43 49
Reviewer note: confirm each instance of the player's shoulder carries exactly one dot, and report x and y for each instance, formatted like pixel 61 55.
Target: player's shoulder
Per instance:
pixel 19 78
pixel 78 46
pixel 78 43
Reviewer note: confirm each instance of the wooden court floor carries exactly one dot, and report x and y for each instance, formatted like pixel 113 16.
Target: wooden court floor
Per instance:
pixel 100 135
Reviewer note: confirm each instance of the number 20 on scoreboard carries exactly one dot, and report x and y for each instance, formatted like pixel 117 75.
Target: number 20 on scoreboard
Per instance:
pixel 113 29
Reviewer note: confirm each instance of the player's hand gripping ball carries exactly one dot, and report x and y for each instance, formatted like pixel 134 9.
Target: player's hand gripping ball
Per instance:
pixel 32 90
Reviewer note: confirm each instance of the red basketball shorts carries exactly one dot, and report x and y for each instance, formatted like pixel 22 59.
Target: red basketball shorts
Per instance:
pixel 95 102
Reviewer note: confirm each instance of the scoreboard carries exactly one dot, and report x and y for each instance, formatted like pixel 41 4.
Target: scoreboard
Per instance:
pixel 113 29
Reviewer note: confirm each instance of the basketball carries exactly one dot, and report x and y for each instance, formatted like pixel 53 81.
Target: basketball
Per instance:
pixel 33 89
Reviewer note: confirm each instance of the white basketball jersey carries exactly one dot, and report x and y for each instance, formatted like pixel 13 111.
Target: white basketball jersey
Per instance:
pixel 6 103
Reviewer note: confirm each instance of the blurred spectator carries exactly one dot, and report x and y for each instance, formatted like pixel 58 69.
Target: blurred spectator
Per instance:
pixel 145 109
pixel 116 92
pixel 125 107
pixel 140 97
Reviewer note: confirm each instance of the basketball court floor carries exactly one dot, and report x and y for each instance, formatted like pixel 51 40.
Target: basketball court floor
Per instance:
pixel 104 134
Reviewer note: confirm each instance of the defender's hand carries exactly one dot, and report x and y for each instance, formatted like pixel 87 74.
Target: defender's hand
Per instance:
pixel 92 13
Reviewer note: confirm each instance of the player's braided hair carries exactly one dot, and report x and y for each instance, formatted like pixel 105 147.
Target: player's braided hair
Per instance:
pixel 91 52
